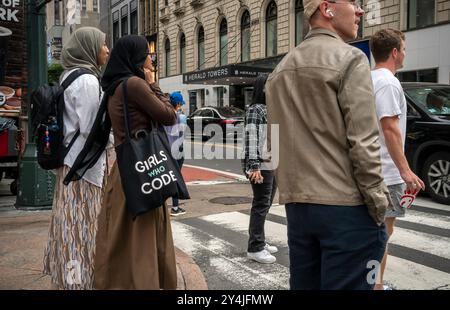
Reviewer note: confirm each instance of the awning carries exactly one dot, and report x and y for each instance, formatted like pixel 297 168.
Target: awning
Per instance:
pixel 225 75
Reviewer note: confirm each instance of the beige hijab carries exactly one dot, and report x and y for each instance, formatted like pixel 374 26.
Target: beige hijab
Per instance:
pixel 83 49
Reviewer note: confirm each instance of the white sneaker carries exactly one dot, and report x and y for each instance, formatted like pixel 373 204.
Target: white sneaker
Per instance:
pixel 270 248
pixel 263 257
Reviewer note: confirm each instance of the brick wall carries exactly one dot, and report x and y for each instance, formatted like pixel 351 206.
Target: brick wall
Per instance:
pixel 443 11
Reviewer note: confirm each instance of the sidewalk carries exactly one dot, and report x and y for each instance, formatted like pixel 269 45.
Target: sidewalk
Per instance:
pixel 23 234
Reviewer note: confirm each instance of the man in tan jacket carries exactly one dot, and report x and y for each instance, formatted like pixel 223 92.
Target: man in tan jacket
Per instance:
pixel 329 173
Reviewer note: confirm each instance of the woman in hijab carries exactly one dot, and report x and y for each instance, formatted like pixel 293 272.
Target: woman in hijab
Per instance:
pixel 139 253
pixel 261 179
pixel 69 254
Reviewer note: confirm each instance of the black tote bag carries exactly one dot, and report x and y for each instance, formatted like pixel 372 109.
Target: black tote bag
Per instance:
pixel 148 172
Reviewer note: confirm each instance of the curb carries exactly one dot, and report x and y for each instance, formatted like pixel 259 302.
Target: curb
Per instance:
pixel 189 275
pixel 222 173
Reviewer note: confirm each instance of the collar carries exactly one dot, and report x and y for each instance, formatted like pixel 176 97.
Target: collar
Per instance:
pixel 322 32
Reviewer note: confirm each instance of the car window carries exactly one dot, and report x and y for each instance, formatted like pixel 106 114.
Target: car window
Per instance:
pixel 207 113
pixel 231 112
pixel 196 113
pixel 215 114
pixel 434 99
pixel 411 111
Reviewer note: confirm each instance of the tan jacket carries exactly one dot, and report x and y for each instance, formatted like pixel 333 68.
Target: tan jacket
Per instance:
pixel 321 96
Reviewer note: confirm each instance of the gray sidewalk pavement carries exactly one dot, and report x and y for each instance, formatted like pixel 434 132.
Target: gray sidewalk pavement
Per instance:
pixel 23 235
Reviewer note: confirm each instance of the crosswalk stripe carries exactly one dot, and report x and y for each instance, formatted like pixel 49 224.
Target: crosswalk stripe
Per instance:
pixel 430 219
pixel 275 233
pixel 417 260
pixel 418 277
pixel 236 268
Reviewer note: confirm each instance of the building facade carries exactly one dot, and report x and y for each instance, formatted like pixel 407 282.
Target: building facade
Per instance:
pixel 205 37
pixel 86 13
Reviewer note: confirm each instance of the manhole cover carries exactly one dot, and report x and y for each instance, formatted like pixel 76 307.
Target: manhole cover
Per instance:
pixel 231 200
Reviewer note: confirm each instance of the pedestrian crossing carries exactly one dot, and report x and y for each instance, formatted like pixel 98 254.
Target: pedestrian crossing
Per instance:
pixel 419 251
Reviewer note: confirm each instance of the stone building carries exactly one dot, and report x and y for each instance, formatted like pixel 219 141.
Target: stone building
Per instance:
pixel 59 30
pixel 204 45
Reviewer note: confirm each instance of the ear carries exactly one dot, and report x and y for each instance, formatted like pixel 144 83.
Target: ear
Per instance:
pixel 394 53
pixel 324 10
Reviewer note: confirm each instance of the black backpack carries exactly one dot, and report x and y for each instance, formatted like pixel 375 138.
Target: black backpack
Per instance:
pixel 47 108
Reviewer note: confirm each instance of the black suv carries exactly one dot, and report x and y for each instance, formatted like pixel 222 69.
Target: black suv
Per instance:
pixel 428 136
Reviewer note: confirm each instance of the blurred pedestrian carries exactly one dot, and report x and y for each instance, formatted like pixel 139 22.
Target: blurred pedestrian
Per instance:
pixel 175 135
pixel 262 181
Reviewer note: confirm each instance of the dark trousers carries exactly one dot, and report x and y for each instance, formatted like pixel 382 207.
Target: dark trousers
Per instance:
pixel 263 195
pixel 175 202
pixel 333 247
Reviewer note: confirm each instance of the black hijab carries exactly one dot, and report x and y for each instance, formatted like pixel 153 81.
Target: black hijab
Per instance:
pixel 259 95
pixel 126 60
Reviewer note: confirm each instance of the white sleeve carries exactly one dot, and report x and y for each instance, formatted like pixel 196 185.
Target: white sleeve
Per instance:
pixel 387 100
pixel 88 102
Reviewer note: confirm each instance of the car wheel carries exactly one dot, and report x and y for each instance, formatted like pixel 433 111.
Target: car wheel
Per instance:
pixel 436 175
pixel 13 187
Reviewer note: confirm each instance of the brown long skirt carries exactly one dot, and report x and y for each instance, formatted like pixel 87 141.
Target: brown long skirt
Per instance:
pixel 131 254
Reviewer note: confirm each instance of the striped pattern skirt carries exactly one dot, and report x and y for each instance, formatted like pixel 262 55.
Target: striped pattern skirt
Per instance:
pixel 70 250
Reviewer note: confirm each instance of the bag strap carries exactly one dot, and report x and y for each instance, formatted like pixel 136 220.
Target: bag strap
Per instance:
pixel 73 76
pixel 126 116
pixel 67 82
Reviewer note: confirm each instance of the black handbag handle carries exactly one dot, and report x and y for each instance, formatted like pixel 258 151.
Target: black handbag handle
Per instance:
pixel 126 115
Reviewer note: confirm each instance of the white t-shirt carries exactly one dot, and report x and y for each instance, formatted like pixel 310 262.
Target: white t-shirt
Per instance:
pixel 390 101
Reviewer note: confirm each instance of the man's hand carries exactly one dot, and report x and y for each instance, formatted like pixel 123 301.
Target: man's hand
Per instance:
pixel 413 182
pixel 256 177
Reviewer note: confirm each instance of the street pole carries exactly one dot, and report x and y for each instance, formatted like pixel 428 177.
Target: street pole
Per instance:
pixel 35 185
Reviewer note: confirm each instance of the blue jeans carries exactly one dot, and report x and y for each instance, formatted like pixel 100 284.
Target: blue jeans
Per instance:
pixel 333 247
pixel 175 202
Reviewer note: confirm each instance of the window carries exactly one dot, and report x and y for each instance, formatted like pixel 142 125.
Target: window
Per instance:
pixel 134 22
pixel 124 25
pixel 361 23
pixel 245 36
pixel 206 113
pixel 115 32
pixel 124 20
pixel 57 14
pixel 299 22
pixel 182 53
pixel 201 48
pixel 167 57
pixel 271 29
pixel 428 75
pixel 421 13
pixel 223 31
pixel 436 99
pixel 95 5
pixel 83 5
pixel 220 93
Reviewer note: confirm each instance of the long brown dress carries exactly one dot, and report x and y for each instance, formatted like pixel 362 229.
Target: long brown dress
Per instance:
pixel 135 254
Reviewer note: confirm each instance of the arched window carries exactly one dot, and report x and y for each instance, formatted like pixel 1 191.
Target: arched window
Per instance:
pixel 201 48
pixel 182 53
pixel 245 36
pixel 299 21
pixel 167 57
pixel 223 31
pixel 271 29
